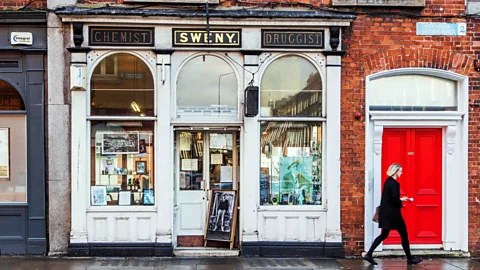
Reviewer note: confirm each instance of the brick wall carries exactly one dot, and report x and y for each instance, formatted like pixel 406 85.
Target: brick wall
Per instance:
pixel 375 43
pixel 17 4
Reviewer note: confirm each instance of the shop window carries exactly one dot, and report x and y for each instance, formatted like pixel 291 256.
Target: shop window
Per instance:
pixel 10 99
pixel 412 93
pixel 122 85
pixel 207 87
pixel 287 83
pixel 122 163
pixel 291 158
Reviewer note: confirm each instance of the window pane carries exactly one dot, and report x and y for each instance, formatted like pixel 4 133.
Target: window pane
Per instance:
pixel 122 85
pixel 291 86
pixel 10 99
pixel 191 160
pixel 122 155
pixel 291 163
pixel 207 86
pixel 13 159
pixel 412 93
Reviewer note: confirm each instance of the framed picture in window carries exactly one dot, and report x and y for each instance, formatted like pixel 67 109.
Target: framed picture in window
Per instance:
pixel 148 197
pixel 141 167
pixel 125 198
pixel 99 195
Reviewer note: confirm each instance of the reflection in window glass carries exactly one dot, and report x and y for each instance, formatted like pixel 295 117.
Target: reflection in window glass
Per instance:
pixel 291 163
pixel 191 160
pixel 412 93
pixel 122 85
pixel 10 99
pixel 291 86
pixel 122 163
pixel 13 159
pixel 207 86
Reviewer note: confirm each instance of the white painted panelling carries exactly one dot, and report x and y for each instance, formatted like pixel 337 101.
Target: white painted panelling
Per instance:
pixel 101 229
pixel 144 229
pixel 122 225
pixel 292 229
pixel 293 225
pixel 112 226
pixel 191 216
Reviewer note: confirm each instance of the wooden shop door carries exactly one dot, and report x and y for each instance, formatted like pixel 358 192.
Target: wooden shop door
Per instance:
pixel 419 151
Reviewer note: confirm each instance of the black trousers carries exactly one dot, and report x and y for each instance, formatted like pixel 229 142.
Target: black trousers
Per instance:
pixel 384 235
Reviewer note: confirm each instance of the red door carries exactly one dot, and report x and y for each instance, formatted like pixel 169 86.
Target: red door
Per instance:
pixel 419 151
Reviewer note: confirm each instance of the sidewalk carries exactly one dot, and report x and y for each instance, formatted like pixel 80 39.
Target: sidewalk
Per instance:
pixel 48 263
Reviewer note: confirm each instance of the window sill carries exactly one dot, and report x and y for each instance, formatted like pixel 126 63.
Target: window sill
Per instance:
pixel 118 208
pixel 292 208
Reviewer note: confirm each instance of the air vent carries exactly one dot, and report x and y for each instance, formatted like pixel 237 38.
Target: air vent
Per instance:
pixel 10 65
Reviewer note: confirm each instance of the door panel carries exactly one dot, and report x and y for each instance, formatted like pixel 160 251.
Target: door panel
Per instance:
pixel 419 151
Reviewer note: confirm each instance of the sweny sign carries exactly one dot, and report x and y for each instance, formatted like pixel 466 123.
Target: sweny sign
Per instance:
pixel 121 36
pixel 293 39
pixel 213 38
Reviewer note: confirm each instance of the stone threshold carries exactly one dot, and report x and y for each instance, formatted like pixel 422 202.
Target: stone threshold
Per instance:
pixel 205 252
pixel 432 253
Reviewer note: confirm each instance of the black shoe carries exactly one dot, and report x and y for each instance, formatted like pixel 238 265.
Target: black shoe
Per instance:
pixel 414 261
pixel 369 259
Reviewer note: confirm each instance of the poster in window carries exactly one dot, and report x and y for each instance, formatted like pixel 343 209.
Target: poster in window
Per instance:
pixel 99 195
pixel 4 153
pixel 120 143
pixel 295 174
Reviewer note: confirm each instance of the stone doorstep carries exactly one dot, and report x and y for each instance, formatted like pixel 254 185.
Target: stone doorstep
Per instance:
pixel 421 253
pixel 205 252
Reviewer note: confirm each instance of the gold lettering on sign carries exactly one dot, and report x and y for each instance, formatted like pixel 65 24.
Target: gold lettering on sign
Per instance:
pixel 219 38
pixel 114 36
pixel 144 35
pixel 196 37
pixel 183 37
pixel 230 37
pixel 268 38
pixel 275 38
pixel 106 37
pixel 136 37
pixel 123 37
pixel 97 38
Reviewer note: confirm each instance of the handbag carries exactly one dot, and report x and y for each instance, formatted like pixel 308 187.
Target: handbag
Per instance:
pixel 375 216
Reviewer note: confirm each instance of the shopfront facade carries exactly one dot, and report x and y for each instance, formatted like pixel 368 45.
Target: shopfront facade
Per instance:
pixel 22 139
pixel 164 112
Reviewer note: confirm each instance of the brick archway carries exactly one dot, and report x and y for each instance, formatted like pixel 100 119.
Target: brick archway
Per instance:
pixel 418 57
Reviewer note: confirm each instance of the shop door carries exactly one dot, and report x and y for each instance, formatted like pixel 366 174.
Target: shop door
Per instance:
pixel 206 161
pixel 419 151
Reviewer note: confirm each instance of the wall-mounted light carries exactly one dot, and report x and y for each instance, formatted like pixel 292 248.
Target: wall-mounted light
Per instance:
pixel 135 106
pixel 476 65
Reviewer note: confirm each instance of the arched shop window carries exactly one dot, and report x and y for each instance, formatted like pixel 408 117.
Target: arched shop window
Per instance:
pixel 13 146
pixel 291 147
pixel 122 150
pixel 122 85
pixel 207 87
pixel 412 92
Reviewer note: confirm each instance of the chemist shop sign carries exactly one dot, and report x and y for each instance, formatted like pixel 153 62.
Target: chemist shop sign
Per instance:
pixel 121 36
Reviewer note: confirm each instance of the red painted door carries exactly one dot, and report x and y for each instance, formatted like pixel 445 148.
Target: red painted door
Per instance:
pixel 419 151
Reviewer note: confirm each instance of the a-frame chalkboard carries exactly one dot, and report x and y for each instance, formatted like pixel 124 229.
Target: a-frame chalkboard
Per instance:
pixel 221 216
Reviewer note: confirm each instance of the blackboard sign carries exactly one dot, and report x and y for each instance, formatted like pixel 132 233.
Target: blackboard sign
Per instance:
pixel 222 216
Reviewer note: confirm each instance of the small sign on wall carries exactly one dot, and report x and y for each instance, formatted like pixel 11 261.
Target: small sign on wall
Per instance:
pixel 293 39
pixel 200 37
pixel 121 36
pixel 396 3
pixel 21 38
pixel 441 29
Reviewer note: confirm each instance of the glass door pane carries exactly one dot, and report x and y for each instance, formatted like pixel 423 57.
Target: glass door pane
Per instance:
pixel 221 165
pixel 191 148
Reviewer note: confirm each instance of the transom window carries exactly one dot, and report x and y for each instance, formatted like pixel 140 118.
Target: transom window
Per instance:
pixel 207 87
pixel 412 93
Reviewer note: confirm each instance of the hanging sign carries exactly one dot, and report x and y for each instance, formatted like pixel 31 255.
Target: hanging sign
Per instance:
pixel 293 39
pixel 200 37
pixel 121 36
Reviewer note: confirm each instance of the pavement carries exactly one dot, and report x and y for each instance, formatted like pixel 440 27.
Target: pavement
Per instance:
pixel 154 263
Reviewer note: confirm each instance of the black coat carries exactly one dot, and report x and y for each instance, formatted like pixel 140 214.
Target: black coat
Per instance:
pixel 390 215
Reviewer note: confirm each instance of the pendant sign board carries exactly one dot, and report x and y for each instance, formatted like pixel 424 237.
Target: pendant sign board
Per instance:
pixel 21 38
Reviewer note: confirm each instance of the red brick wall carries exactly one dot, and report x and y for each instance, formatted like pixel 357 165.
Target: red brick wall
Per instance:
pixel 16 4
pixel 375 43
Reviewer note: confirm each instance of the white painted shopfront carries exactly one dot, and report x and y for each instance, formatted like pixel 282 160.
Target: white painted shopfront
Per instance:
pixel 170 146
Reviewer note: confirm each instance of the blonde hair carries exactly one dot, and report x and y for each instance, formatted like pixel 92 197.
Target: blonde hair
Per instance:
pixel 395 167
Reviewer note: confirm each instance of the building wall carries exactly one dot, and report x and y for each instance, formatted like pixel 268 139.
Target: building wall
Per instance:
pixel 17 4
pixel 376 43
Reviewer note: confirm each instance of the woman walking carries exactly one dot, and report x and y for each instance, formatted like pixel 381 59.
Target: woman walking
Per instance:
pixel 390 216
